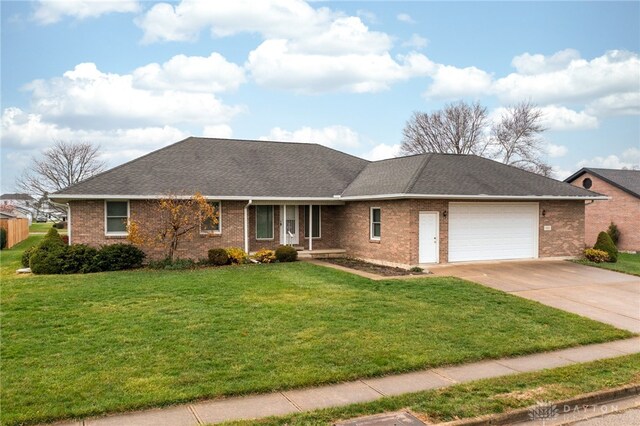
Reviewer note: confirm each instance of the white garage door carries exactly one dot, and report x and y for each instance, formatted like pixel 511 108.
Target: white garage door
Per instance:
pixel 492 231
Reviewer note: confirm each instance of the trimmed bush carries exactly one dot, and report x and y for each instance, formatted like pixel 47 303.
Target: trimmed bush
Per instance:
pixel 47 258
pixel 597 256
pixel 265 256
pixel 3 238
pixel 286 254
pixel 26 255
pixel 218 257
pixel 605 244
pixel 59 225
pixel 237 255
pixel 79 258
pixel 614 233
pixel 118 257
pixel 180 264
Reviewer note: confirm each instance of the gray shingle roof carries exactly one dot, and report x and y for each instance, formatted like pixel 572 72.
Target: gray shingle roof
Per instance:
pixel 627 180
pixel 237 168
pixel 449 174
pixel 226 167
pixel 26 197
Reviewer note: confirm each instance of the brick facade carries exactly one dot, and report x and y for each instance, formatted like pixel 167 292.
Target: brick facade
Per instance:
pixel 343 226
pixel 623 209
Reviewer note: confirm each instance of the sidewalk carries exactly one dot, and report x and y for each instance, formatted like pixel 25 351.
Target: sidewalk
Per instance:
pixel 281 403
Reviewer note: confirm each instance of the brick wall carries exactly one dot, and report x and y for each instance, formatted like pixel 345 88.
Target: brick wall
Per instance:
pixel 87 227
pixel 566 236
pixel 623 209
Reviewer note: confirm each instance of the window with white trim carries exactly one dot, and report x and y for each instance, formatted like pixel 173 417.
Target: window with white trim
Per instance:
pixel 264 222
pixel 376 223
pixel 316 221
pixel 209 225
pixel 116 217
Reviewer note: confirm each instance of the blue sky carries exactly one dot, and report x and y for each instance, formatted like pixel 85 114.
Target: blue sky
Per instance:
pixel 136 76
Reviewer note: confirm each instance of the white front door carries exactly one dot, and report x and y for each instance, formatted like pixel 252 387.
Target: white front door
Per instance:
pixel 429 238
pixel 289 214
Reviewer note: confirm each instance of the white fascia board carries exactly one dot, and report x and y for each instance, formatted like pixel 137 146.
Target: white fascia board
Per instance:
pixel 472 197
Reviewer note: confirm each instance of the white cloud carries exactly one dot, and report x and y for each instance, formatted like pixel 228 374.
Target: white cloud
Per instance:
pixel 217 131
pixel 616 104
pixel 271 19
pixel 416 42
pixel 340 137
pixel 190 73
pixel 528 64
pixel 562 118
pixel 367 16
pixel 566 77
pixel 52 11
pixel 556 151
pixel 561 174
pixel 629 159
pixel 382 152
pixel 274 64
pixel 406 18
pixel 452 82
pixel 85 97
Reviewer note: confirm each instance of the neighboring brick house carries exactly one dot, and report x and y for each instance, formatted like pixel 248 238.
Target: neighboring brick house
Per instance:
pixel 420 209
pixel 622 208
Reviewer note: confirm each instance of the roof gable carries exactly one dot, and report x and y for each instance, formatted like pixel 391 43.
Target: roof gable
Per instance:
pixel 626 180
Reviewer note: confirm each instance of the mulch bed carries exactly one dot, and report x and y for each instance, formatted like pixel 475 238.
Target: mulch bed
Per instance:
pixel 387 271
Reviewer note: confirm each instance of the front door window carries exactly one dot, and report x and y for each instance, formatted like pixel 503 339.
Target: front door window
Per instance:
pixel 290 216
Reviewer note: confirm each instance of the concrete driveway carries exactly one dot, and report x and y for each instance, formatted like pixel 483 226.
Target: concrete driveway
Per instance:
pixel 602 295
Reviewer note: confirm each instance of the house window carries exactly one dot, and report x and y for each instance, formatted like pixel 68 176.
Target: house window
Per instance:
pixel 316 221
pixel 209 225
pixel 116 217
pixel 264 222
pixel 375 223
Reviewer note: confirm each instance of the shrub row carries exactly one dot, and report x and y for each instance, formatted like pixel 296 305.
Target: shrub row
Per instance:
pixel 235 255
pixel 53 256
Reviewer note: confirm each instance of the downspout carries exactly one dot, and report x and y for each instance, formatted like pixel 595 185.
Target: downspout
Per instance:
pixel 69 222
pixel 246 226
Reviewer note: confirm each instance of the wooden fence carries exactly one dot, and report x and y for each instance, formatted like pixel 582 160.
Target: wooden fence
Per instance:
pixel 17 230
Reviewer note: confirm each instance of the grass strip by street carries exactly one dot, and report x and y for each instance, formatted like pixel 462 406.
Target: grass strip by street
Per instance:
pixel 482 397
pixel 85 345
pixel 628 263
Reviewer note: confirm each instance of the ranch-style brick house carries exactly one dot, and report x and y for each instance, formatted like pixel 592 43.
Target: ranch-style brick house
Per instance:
pixel 622 208
pixel 407 211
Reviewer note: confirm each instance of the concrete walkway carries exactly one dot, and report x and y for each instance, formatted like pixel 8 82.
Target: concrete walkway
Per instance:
pixel 293 401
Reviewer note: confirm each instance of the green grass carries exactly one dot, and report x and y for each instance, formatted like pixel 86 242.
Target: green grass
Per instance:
pixel 627 263
pixel 489 396
pixel 90 344
pixel 40 227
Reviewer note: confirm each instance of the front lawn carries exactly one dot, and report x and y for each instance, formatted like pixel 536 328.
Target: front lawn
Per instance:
pixel 90 344
pixel 44 227
pixel 627 263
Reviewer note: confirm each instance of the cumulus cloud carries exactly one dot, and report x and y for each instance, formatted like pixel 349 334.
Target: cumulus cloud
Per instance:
pixel 556 151
pixel 416 42
pixel 529 64
pixel 571 78
pixel 337 136
pixel 452 82
pixel 190 73
pixel 406 18
pixel 382 152
pixel 616 104
pixel 52 11
pixel 86 97
pixel 630 159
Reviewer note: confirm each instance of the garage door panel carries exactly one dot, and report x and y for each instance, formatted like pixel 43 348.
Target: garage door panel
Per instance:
pixel 492 231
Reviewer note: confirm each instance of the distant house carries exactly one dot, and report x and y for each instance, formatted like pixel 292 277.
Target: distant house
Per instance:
pixel 623 207
pixel 18 205
pixel 421 209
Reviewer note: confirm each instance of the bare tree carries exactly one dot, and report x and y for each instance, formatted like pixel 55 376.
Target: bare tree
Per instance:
pixel 463 128
pixel 60 166
pixel 516 137
pixel 457 129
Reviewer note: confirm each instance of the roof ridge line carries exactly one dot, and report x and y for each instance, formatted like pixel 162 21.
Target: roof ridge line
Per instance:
pixel 414 177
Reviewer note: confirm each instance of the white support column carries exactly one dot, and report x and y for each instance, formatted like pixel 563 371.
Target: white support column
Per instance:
pixel 284 224
pixel 310 230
